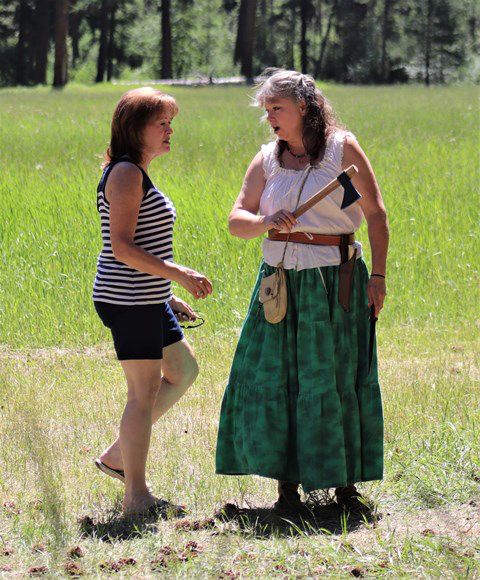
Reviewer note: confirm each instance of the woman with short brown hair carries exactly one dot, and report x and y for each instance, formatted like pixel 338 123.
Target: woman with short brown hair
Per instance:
pixel 132 293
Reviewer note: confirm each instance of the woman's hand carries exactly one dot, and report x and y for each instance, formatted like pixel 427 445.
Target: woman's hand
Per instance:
pixel 376 292
pixel 281 220
pixel 182 310
pixel 197 284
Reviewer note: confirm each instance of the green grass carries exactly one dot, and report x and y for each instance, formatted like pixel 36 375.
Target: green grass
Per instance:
pixel 423 146
pixel 62 391
pixel 62 407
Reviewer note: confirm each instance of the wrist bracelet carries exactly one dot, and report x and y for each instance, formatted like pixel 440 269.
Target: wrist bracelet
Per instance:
pixel 377 275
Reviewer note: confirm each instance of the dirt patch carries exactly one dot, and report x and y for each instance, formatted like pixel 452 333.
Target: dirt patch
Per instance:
pixel 460 523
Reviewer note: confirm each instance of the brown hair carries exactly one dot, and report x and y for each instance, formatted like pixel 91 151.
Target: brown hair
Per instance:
pixel 134 111
pixel 319 120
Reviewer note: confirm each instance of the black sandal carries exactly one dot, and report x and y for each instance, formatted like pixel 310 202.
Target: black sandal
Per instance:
pixel 116 473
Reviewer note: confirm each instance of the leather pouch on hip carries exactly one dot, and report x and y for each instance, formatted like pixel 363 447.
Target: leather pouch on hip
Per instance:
pixel 273 295
pixel 345 281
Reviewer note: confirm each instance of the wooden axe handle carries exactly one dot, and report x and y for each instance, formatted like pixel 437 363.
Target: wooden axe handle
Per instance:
pixel 332 186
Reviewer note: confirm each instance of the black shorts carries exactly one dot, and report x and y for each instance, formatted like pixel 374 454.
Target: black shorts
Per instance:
pixel 140 332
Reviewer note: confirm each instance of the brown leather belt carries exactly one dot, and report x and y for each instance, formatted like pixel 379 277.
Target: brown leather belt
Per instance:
pixel 314 239
pixel 347 265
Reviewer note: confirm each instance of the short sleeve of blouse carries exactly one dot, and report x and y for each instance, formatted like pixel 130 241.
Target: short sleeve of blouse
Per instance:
pixel 269 161
pixel 338 143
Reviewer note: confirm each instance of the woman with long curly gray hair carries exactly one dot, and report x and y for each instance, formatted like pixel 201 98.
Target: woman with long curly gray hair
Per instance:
pixel 303 403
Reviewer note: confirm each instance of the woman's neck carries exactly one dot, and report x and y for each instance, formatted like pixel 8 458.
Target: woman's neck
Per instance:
pixel 145 162
pixel 296 146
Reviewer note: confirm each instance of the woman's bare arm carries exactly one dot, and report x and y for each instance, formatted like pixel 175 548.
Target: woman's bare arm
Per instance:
pixel 374 210
pixel 243 221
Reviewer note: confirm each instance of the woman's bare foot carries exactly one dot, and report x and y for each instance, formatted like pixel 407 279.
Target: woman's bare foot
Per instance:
pixel 112 457
pixel 139 504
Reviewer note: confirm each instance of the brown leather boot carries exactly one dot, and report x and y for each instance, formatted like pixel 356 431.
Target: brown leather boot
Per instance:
pixel 348 496
pixel 288 497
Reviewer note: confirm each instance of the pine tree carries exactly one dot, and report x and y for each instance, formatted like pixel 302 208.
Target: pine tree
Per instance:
pixel 60 73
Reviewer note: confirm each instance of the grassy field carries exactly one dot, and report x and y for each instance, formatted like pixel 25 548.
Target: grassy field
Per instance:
pixel 422 145
pixel 62 391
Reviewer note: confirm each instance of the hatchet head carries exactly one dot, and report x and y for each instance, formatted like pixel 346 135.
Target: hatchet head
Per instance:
pixel 350 194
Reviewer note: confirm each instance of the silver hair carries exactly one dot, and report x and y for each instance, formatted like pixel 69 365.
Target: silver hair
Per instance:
pixel 279 83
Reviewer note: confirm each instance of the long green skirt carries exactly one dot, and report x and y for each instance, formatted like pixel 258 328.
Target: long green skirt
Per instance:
pixel 301 404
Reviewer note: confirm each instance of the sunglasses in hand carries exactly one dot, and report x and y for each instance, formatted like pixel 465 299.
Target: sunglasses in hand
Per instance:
pixel 187 321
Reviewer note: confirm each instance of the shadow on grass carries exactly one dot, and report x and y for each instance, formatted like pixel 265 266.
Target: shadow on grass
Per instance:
pixel 321 515
pixel 114 526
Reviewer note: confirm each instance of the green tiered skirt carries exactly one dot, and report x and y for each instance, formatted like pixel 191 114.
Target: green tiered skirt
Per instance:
pixel 301 404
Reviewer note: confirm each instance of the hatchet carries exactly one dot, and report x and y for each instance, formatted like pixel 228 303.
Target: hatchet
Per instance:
pixel 350 194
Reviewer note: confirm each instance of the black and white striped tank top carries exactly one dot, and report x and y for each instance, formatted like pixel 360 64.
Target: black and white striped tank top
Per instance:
pixel 117 283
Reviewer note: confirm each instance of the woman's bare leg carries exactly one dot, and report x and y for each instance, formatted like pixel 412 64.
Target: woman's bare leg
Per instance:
pixel 179 369
pixel 143 380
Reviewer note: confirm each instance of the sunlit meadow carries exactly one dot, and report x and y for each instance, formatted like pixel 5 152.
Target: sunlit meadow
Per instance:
pixel 62 391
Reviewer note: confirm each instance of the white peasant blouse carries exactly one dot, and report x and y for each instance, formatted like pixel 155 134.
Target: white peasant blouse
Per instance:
pixel 281 192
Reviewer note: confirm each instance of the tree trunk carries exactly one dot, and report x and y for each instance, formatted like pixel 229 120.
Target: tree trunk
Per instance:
pixel 317 30
pixel 323 46
pixel 111 43
pixel 386 30
pixel 270 33
pixel 103 47
pixel 303 35
pixel 60 75
pixel 167 53
pixel 21 72
pixel 249 40
pixel 74 31
pixel 262 46
pixel 241 26
pixel 245 38
pixel 290 42
pixel 42 41
pixel 428 41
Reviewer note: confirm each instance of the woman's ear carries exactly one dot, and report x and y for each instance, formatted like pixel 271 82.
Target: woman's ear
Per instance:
pixel 303 107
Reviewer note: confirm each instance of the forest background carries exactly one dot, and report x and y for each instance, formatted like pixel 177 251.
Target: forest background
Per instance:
pixel 348 41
